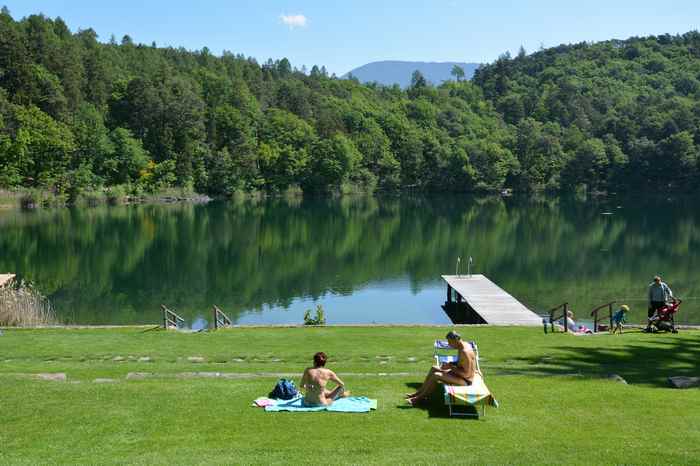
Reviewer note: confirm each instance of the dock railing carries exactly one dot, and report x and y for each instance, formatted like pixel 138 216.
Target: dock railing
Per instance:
pixel 170 319
pixel 554 316
pixel 221 320
pixel 595 313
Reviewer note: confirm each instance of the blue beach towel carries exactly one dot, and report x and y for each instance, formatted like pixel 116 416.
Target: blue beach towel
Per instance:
pixel 351 404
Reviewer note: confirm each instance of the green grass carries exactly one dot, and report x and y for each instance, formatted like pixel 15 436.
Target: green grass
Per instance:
pixel 557 406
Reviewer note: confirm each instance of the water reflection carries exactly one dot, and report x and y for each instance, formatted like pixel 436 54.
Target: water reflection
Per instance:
pixel 365 259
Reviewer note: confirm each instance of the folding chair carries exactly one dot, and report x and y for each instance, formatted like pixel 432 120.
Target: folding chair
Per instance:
pixel 474 395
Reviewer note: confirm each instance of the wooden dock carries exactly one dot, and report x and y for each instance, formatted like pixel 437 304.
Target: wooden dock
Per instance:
pixel 474 299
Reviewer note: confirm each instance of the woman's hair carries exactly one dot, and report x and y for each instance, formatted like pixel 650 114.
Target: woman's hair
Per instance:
pixel 320 359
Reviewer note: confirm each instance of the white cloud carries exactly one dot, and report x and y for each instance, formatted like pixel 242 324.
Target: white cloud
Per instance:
pixel 294 21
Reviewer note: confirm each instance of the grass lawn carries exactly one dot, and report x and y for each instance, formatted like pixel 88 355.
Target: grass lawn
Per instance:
pixel 557 406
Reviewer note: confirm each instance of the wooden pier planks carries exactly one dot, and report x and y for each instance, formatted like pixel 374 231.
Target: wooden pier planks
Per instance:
pixel 491 302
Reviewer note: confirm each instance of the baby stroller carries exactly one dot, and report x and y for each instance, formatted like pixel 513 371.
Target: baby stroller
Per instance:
pixel 663 319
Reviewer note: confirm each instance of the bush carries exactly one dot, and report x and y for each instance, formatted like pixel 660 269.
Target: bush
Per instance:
pixel 22 305
pixel 116 194
pixel 320 318
pixel 29 200
pixel 35 198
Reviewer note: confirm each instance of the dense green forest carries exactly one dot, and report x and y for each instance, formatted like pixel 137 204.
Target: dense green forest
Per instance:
pixel 78 115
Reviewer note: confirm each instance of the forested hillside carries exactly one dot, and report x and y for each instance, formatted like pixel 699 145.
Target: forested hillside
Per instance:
pixel 613 115
pixel 77 115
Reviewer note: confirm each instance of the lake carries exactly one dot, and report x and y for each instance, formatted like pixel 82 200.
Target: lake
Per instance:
pixel 364 259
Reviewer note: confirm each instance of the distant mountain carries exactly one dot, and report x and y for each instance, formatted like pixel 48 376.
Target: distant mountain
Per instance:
pixel 399 72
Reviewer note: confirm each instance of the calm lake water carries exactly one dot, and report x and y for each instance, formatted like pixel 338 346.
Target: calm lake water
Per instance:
pixel 364 259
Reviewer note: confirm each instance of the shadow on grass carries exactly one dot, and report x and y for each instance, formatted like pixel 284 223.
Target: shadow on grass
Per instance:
pixel 434 405
pixel 648 363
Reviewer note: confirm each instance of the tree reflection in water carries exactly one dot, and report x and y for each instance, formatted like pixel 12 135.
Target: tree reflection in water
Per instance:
pixel 254 258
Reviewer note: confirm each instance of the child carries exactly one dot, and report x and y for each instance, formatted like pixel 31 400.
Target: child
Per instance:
pixel 618 319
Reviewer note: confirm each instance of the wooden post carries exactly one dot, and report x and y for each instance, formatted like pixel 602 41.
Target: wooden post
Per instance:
pixel 610 313
pixel 595 322
pixel 551 319
pixel 216 319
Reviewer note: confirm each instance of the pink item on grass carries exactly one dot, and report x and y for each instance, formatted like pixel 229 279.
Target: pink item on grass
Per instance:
pixel 262 402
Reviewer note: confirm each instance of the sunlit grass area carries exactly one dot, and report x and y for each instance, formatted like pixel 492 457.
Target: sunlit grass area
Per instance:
pixel 153 397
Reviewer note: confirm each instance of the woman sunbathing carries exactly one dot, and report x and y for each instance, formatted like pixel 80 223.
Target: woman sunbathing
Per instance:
pixel 314 381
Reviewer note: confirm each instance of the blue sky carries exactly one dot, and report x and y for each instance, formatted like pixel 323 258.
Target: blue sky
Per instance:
pixel 344 35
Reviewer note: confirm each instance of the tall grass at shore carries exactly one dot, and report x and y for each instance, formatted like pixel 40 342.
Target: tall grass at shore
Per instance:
pixel 22 305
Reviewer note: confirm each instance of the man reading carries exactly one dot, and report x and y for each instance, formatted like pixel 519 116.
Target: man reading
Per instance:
pixel 459 373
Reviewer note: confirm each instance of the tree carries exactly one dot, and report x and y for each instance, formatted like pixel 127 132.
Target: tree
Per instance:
pixel 332 162
pixel 284 67
pixel 588 166
pixel 283 153
pixel 129 159
pixel 41 149
pixel 491 162
pixel 457 72
pixel 418 81
pixel 94 147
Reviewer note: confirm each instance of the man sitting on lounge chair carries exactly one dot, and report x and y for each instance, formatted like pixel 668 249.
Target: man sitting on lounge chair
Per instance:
pixel 459 373
pixel 314 381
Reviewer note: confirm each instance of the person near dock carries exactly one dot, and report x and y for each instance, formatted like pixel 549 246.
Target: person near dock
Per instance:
pixel 459 373
pixel 314 381
pixel 570 322
pixel 659 295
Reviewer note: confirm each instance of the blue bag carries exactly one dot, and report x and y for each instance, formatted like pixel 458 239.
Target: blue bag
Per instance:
pixel 284 390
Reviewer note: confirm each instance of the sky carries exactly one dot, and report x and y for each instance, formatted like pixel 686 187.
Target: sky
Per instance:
pixel 345 35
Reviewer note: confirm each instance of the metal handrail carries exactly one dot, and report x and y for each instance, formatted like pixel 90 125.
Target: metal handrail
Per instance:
pixel 170 319
pixel 221 320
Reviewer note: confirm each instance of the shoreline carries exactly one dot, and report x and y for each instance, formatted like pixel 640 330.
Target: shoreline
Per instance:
pixel 291 326
pixel 30 200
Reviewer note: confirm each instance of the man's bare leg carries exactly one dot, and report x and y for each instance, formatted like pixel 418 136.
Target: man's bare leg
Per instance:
pixel 427 387
pixel 432 371
pixel 432 383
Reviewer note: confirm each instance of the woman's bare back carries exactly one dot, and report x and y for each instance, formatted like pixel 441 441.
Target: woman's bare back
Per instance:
pixel 314 383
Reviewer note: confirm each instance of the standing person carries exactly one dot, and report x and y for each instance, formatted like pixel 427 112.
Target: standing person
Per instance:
pixel 659 295
pixel 459 373
pixel 314 381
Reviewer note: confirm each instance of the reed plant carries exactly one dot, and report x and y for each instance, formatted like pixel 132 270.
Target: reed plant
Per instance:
pixel 22 305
